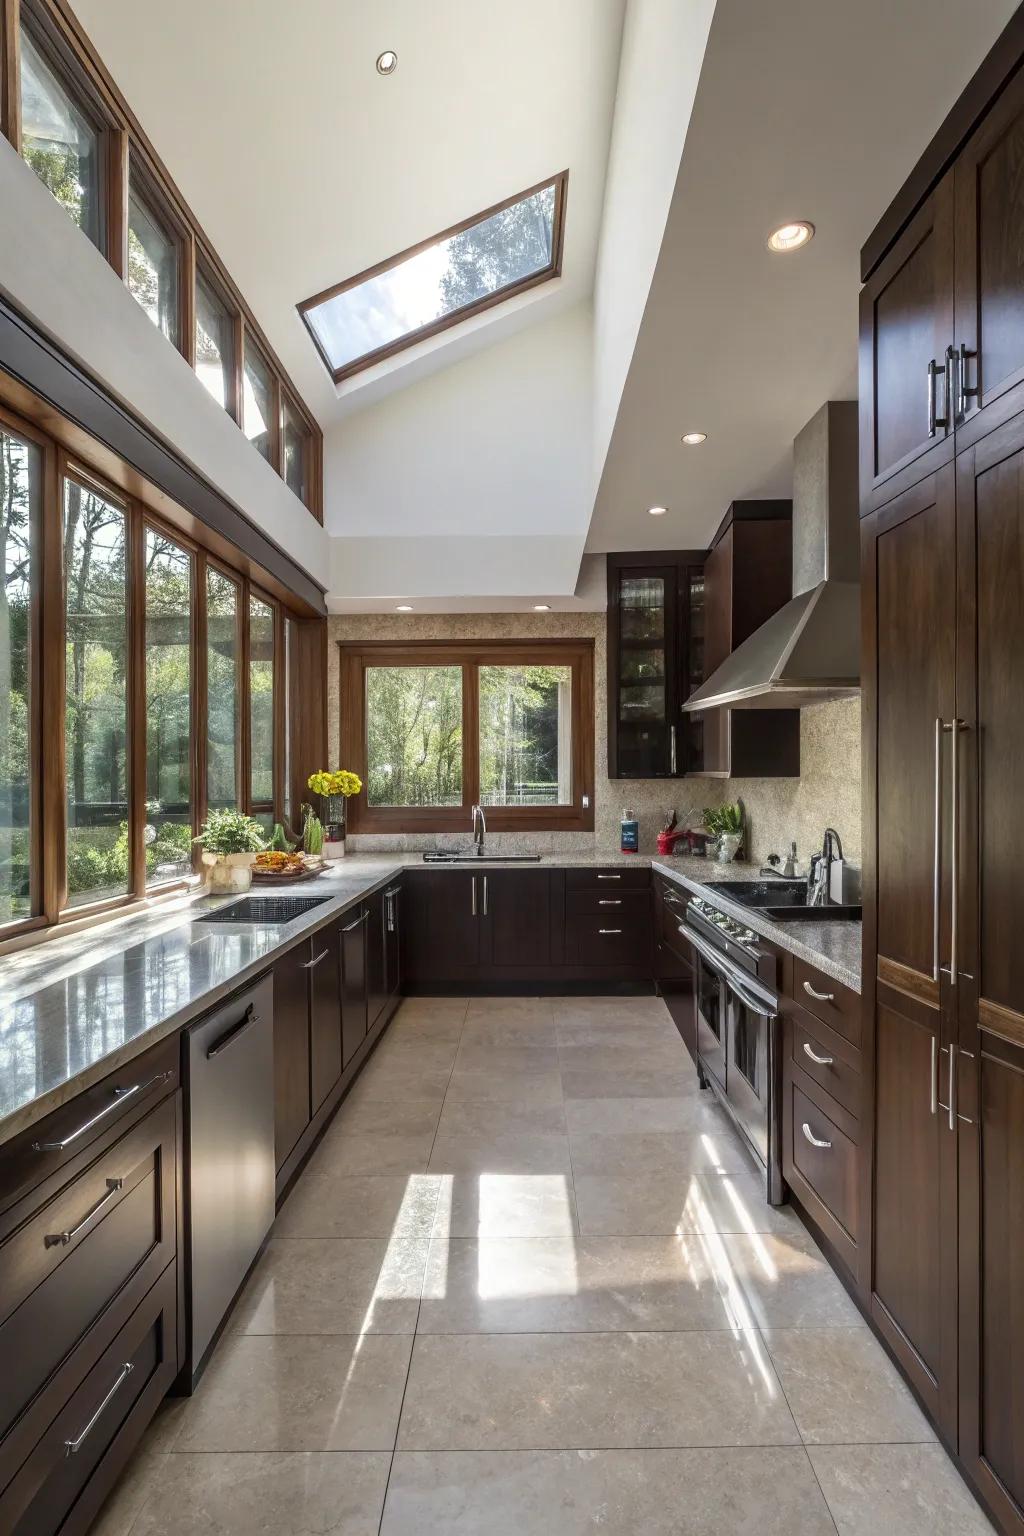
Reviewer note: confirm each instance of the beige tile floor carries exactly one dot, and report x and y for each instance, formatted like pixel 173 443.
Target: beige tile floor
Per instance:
pixel 526 1285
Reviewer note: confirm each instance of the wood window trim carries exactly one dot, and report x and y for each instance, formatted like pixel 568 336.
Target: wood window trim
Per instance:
pixel 356 656
pixel 207 275
pixel 252 593
pixel 553 269
pixel 251 342
pixel 140 179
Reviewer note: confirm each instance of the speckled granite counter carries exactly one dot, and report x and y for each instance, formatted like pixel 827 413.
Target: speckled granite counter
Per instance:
pixel 79 1006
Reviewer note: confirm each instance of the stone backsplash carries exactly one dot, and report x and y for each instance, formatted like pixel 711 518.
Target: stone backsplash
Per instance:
pixel 779 811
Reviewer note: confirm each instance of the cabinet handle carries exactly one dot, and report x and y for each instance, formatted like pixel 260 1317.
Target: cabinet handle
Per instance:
pixel 610 901
pixel 61 1239
pixel 71 1446
pixel 956 726
pixel 609 930
pixel 963 394
pixel 249 1017
pixel 821 1061
pixel 672 749
pixel 609 877
pixel 940 726
pixel 311 965
pixel 934 1087
pixel 473 902
pixel 120 1095
pixel 819 997
pixel 484 877
pixel 823 1146
pixel 934 419
pixel 349 928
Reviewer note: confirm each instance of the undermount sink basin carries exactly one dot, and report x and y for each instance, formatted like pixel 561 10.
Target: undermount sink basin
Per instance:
pixel 268 910
pixel 440 857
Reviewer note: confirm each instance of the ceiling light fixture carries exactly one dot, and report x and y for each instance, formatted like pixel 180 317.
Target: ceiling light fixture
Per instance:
pixel 790 237
pixel 691 439
pixel 542 607
pixel 404 608
pixel 657 511
pixel 387 62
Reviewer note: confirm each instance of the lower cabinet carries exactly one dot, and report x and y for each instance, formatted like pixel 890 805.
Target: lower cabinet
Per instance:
pixel 353 982
pixel 292 1112
pixel 324 1006
pixel 673 959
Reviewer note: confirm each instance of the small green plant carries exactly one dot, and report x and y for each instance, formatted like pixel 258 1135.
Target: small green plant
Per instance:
pixel 278 842
pixel 312 832
pixel 723 820
pixel 230 831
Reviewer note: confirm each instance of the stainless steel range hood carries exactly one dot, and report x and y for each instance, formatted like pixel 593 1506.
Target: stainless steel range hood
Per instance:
pixel 810 650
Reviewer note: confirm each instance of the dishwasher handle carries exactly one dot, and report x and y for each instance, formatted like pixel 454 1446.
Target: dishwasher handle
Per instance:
pixel 231 1035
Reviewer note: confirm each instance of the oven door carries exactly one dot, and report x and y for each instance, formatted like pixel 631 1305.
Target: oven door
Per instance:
pixel 712 1024
pixel 751 1017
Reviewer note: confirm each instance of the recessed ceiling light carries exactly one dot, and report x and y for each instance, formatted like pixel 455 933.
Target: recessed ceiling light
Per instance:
pixel 691 439
pixel 387 62
pixel 657 511
pixel 790 237
pixel 404 608
pixel 542 607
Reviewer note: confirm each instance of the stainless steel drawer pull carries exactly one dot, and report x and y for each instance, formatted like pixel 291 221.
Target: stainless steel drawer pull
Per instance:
pixel 250 1016
pixel 820 997
pixel 821 1061
pixel 609 930
pixel 120 1095
pixel 610 901
pixel 61 1239
pixel 934 1085
pixel 823 1146
pixel 609 877
pixel 349 928
pixel 71 1446
pixel 308 965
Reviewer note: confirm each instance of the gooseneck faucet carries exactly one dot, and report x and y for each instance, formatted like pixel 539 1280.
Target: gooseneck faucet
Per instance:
pixel 479 825
pixel 819 881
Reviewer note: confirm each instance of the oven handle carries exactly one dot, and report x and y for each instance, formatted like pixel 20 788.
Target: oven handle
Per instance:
pixel 763 1003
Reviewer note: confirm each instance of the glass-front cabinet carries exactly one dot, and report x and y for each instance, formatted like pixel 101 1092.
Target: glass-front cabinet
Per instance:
pixel 655 661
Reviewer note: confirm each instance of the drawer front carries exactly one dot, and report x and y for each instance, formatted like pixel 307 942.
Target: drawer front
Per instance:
pixel 829 1169
pixel 631 905
pixel 828 1000
pixel 827 1058
pixel 636 877
pixel 77 1458
pixel 71 1275
pixel 593 940
pixel 62 1142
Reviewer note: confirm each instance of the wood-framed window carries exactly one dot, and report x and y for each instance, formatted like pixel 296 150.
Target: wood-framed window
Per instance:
pixel 155 260
pixel 437 727
pixel 443 280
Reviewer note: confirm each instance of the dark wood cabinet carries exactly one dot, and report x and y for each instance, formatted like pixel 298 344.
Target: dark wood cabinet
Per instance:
pixel 376 981
pixel 393 940
pixel 515 907
pixel 442 934
pixel 353 981
pixel 291 1049
pixel 324 973
pixel 655 661
pixel 748 576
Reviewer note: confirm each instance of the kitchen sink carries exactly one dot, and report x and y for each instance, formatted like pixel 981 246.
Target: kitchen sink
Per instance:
pixel 264 909
pixel 440 857
pixel 780 899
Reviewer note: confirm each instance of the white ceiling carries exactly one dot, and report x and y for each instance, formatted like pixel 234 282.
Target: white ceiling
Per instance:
pixel 806 109
pixel 304 166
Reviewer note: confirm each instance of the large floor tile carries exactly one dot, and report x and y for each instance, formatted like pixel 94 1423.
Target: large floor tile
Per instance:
pixel 652 1056
pixel 842 1388
pixel 387 1117
pixel 912 1490
pixel 639 1036
pixel 600 1390
pixel 772 1280
pixel 333 1285
pixel 505 1205
pixel 427 1010
pixel 612 1011
pixel 528 1013
pixel 344 1154
pixel 404 1051
pixel 770 1492
pixel 283 1393
pixel 489 1082
pixel 521 1153
pixel 631 1081
pixel 385 1080
pixel 699 1201
pixel 329 1204
pixel 623 1117
pixel 644 1152
pixel 303 1494
pixel 514 1060
pixel 498 1117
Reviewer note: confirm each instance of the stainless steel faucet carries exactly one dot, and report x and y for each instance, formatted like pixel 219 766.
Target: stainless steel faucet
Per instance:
pixel 819 878
pixel 479 825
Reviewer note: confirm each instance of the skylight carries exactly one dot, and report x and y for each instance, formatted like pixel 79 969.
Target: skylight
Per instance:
pixel 460 272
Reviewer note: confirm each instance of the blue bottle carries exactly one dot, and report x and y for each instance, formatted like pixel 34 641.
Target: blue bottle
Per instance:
pixel 630 832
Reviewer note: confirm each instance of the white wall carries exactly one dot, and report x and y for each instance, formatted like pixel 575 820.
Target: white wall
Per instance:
pixel 662 51
pixel 478 477
pixel 56 277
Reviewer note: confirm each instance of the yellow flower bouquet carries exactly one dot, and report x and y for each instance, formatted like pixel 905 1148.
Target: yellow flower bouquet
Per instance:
pixel 334 787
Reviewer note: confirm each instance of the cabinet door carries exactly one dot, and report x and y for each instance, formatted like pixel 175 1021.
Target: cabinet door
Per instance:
pixel 990 991
pixel 393 939
pixel 516 908
pixel 376 986
pixel 443 930
pixel 906 329
pixel 324 1014
pixel 910 589
pixel 291 1049
pixel 989 337
pixel 353 983
pixel 643 665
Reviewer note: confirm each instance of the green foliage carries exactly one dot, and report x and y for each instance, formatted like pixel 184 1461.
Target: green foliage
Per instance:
pixel 231 831
pixel 312 832
pixel 504 248
pixel 278 842
pixel 723 820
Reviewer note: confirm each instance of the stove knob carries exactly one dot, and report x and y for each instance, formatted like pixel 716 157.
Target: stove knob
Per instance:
pixel 731 928
pixel 748 936
pixel 697 904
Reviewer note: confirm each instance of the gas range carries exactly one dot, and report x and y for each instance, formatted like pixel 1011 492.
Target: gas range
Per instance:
pixel 733 938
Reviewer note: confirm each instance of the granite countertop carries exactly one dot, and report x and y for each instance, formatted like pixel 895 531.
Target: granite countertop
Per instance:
pixel 79 1006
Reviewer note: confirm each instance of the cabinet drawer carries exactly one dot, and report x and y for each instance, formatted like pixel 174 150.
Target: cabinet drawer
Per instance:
pixel 632 905
pixel 79 1454
pixel 594 940
pixel 830 1170
pixel 77 1268
pixel 826 1057
pixel 828 1000
pixel 635 876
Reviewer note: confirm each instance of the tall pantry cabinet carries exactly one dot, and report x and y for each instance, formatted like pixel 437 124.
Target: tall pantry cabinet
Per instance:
pixel 942 488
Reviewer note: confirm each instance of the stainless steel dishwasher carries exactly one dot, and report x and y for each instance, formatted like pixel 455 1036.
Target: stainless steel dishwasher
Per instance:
pixel 229 1148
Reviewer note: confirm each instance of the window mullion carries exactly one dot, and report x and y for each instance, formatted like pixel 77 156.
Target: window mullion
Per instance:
pixel 51 785
pixel 200 711
pixel 279 723
pixel 245 734
pixel 470 733
pixel 10 64
pixel 137 701
pixel 117 200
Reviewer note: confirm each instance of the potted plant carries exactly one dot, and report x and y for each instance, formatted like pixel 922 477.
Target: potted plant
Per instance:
pixel 230 841
pixel 725 824
pixel 335 787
